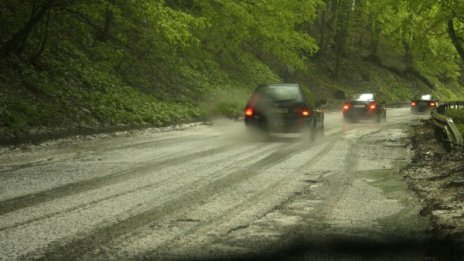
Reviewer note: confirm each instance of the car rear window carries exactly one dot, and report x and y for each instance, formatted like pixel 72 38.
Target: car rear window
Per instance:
pixel 283 93
pixel 426 97
pixel 363 97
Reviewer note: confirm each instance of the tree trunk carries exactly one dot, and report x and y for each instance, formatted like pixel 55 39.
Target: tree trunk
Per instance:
pixel 408 57
pixel 375 37
pixel 331 23
pixel 102 35
pixel 455 39
pixel 44 41
pixel 461 79
pixel 17 42
pixel 359 23
pixel 342 32
pixel 322 31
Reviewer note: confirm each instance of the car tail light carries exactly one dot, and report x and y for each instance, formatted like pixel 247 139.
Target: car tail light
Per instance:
pixel 413 104
pixel 372 106
pixel 249 112
pixel 347 106
pixel 433 104
pixel 305 113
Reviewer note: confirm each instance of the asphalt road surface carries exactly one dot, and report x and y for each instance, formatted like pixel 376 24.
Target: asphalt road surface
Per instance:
pixel 209 192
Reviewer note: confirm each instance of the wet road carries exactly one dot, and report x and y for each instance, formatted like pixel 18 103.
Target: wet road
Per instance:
pixel 208 192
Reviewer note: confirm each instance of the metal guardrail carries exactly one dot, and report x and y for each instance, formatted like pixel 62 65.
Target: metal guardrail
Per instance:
pixel 445 128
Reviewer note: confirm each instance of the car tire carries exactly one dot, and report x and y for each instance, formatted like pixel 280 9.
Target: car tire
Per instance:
pixel 321 131
pixel 306 134
pixel 312 133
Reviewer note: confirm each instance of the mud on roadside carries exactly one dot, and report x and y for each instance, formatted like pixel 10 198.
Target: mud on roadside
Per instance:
pixel 437 176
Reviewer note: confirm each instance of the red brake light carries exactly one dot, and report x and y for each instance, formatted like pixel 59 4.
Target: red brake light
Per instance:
pixel 346 106
pixel 249 112
pixel 433 104
pixel 413 103
pixel 303 111
pixel 372 106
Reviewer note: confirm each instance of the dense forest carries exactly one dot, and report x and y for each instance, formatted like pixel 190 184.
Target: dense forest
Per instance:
pixel 71 64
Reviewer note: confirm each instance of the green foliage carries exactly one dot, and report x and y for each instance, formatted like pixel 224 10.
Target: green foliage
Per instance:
pixel 416 30
pixel 115 62
pixel 264 27
pixel 229 101
pixel 458 117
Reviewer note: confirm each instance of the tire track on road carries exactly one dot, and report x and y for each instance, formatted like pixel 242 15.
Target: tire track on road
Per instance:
pixel 101 236
pixel 156 184
pixel 76 154
pixel 187 238
pixel 13 204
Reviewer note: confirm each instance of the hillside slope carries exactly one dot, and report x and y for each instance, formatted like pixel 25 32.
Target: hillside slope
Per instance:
pixel 80 67
pixel 32 102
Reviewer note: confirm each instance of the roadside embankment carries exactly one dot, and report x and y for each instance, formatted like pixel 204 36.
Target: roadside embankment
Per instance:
pixel 437 176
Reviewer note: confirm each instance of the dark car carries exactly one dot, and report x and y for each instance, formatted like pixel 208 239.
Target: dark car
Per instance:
pixel 423 103
pixel 283 108
pixel 364 106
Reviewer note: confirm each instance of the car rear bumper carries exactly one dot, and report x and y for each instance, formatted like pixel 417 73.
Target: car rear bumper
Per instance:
pixel 423 109
pixel 280 126
pixel 360 114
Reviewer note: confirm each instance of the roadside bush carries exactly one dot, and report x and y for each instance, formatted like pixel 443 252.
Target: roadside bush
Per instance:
pixel 225 102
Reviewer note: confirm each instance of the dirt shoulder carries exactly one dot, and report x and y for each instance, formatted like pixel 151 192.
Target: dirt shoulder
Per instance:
pixel 437 176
